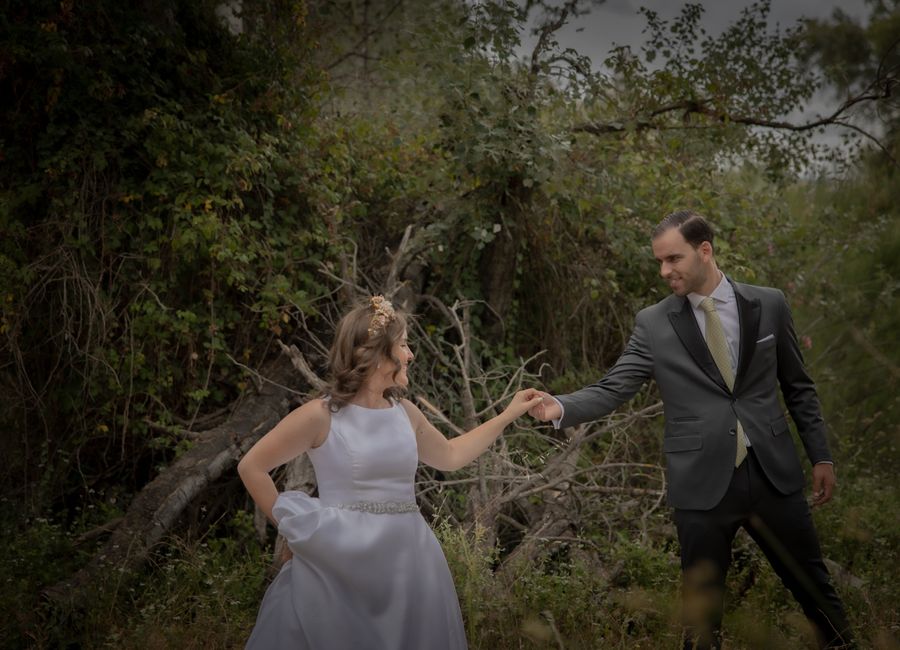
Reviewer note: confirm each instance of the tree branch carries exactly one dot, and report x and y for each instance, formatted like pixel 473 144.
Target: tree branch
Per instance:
pixel 544 33
pixel 880 89
pixel 352 52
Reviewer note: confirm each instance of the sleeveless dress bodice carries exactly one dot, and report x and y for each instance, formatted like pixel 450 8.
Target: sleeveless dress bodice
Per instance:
pixel 369 456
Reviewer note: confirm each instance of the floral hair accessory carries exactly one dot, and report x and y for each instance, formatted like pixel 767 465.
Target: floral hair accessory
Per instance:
pixel 384 314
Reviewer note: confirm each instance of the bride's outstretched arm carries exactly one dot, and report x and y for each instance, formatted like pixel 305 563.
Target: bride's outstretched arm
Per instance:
pixel 446 455
pixel 300 430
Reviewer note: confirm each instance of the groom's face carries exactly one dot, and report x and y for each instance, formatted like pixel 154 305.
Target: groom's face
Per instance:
pixel 681 265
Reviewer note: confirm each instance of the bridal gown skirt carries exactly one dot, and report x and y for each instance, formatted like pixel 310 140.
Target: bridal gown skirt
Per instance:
pixel 360 580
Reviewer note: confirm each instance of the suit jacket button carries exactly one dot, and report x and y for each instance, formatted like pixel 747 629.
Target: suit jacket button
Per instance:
pixel 732 431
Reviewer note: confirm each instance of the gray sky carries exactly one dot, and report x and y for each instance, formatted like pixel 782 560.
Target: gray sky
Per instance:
pixel 617 22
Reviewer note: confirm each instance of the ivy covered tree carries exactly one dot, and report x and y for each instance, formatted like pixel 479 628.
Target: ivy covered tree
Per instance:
pixel 149 166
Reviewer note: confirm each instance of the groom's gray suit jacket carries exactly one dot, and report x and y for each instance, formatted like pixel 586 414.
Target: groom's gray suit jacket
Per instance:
pixel 701 413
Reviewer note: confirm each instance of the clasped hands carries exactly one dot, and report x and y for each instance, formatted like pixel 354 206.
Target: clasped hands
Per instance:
pixel 547 409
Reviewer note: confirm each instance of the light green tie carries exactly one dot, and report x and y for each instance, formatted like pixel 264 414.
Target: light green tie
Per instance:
pixel 718 347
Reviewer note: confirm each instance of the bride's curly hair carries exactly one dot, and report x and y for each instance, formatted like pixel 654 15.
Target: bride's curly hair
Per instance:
pixel 364 337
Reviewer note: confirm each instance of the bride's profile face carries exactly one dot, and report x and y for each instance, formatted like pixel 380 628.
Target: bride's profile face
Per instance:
pixel 402 353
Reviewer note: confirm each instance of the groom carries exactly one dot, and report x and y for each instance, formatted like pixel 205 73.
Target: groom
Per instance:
pixel 719 352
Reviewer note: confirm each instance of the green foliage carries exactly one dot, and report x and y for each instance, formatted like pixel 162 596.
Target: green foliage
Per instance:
pixel 155 224
pixel 860 57
pixel 860 534
pixel 627 594
pixel 196 594
pixel 202 594
pixel 845 299
pixel 35 553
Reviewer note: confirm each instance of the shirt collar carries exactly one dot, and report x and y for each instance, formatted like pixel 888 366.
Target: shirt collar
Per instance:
pixel 723 293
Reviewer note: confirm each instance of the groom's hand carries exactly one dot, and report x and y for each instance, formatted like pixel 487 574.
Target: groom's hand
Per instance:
pixel 823 483
pixel 548 409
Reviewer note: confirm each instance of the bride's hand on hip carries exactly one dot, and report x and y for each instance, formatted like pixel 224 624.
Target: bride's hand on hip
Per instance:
pixel 286 553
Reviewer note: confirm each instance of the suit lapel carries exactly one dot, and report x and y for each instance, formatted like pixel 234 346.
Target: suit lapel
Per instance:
pixel 685 326
pixel 748 316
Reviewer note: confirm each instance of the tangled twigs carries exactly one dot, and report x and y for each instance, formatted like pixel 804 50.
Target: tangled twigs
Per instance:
pixel 544 487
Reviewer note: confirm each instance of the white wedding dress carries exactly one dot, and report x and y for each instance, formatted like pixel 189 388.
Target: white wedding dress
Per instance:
pixel 367 572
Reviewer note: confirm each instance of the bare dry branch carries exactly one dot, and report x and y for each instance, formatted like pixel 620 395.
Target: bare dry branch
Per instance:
pixel 302 365
pixel 544 33
pixel 397 260
pixel 171 429
pixel 363 40
pixel 439 414
pixel 155 510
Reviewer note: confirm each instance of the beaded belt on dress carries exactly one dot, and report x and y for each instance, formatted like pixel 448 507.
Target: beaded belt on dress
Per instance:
pixel 381 507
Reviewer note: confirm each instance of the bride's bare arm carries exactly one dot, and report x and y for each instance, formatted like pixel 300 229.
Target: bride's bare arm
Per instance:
pixel 300 430
pixel 443 454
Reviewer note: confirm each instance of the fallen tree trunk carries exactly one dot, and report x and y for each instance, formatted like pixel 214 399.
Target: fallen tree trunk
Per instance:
pixel 155 510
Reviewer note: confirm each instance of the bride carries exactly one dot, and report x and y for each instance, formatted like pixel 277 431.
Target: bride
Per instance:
pixel 366 570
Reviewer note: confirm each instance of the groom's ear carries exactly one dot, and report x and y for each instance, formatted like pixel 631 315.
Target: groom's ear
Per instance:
pixel 706 250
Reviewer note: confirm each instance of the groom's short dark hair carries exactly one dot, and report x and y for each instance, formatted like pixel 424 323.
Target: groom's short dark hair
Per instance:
pixel 693 227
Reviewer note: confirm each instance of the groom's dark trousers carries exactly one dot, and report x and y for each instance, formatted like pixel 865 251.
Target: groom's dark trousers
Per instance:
pixel 712 498
pixel 782 526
